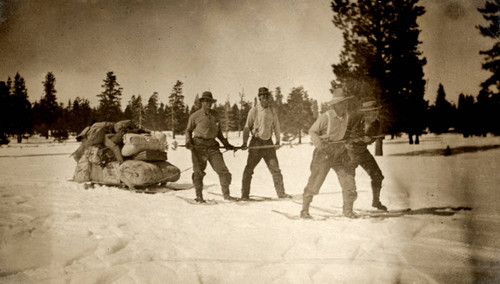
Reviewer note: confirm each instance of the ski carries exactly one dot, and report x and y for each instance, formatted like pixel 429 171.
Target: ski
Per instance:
pixel 297 217
pixel 193 202
pixel 364 214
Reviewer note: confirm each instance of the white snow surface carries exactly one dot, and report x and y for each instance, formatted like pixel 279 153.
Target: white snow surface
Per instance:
pixel 53 230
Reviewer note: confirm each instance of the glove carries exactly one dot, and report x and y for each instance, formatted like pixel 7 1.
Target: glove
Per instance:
pixel 244 146
pixel 367 139
pixel 189 145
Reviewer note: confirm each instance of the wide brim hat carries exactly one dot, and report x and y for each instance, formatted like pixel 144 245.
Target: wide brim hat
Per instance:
pixel 369 106
pixel 207 96
pixel 339 96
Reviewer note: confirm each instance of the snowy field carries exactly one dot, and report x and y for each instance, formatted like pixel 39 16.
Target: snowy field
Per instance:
pixel 55 231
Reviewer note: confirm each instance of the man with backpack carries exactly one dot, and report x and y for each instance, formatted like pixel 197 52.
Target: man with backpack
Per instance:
pixel 262 122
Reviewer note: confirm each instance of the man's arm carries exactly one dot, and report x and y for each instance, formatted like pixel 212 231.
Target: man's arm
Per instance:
pixel 248 126
pixel 189 132
pixel 277 130
pixel 315 131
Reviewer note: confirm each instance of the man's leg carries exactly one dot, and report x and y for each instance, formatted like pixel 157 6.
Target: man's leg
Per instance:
pixel 199 160
pixel 274 167
pixel 345 174
pixel 217 161
pixel 319 170
pixel 369 164
pixel 254 157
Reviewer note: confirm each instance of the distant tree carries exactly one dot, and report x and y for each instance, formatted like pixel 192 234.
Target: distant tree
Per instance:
pixel 81 115
pixel 314 109
pixel 60 129
pixel 234 117
pixel 278 103
pixel 47 112
pixel 163 111
pixel 381 59
pixel 151 120
pixel 21 109
pixel 196 104
pixel 110 99
pixel 442 113
pixel 489 97
pixel 298 115
pixel 178 115
pixel 5 103
pixel 244 109
pixel 135 110
pixel 240 112
pixel 466 116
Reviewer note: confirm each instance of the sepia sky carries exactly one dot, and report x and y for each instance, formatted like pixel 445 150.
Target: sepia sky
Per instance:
pixel 224 46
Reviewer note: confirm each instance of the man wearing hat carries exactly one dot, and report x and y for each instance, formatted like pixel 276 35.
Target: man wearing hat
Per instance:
pixel 363 127
pixel 202 129
pixel 262 122
pixel 327 134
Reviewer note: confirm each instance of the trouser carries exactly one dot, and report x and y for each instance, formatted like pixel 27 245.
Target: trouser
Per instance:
pixel 210 154
pixel 320 166
pixel 254 157
pixel 365 159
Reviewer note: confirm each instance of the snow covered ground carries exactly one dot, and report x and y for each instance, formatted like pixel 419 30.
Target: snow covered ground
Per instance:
pixel 55 231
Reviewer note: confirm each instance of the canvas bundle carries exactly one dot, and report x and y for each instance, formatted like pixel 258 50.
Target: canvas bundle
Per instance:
pixel 135 143
pixel 150 155
pixel 138 173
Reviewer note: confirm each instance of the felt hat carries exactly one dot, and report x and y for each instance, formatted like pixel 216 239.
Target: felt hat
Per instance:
pixel 369 106
pixel 339 96
pixel 207 96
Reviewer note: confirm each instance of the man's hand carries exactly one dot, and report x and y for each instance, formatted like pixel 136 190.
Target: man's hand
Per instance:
pixel 277 145
pixel 244 146
pixel 189 145
pixel 229 147
pixel 367 139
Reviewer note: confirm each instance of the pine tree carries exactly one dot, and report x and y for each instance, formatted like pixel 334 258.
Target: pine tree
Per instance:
pixel 151 113
pixel 278 104
pixel 178 115
pixel 298 115
pixel 135 110
pixel 489 96
pixel 21 109
pixel 4 109
pixel 466 116
pixel 81 115
pixel 110 99
pixel 48 111
pixel 441 113
pixel 381 59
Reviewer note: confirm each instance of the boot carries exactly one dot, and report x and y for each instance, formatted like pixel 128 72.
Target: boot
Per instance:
pixel 280 188
pixel 376 198
pixel 225 193
pixel 245 187
pixel 199 196
pixel 347 209
pixel 306 201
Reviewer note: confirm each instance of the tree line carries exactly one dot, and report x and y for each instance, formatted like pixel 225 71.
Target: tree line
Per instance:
pixel 49 117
